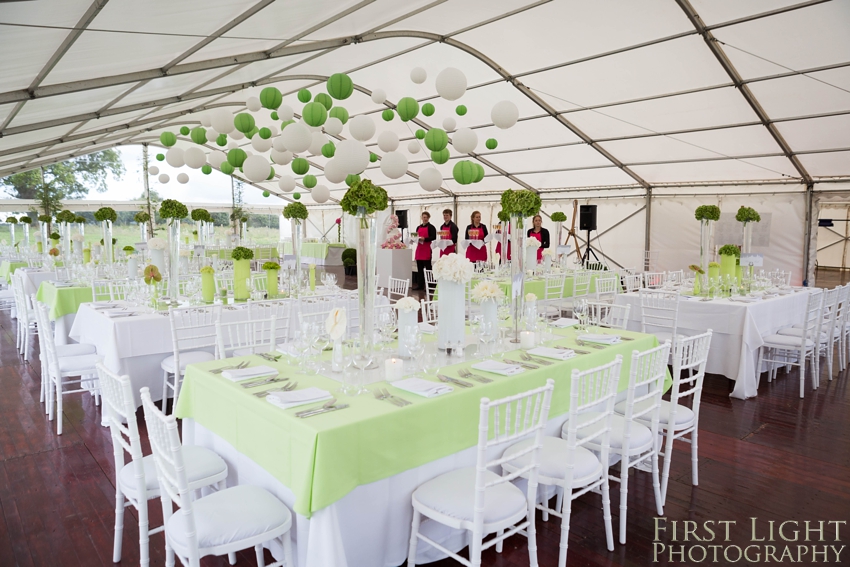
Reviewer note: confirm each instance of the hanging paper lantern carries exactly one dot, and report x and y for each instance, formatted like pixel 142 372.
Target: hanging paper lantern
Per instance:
pixel 362 128
pixel 207 169
pixel 304 95
pixel 430 179
pixel 320 194
pixel 318 141
pixel 460 110
pixel 210 135
pixel 428 109
pixel 465 140
pixel 271 174
pixel 309 181
pixel 174 157
pixel 296 196
pixel 491 143
pixel 266 193
pixel 449 123
pixel 352 179
pixel 340 113
pixel 236 157
pixel 300 166
pixel 353 157
pixel 479 172
pixel 226 168
pixel 168 139
pixel 334 171
pixel 451 83
pixel 297 137
pixel 328 150
pixel 418 75
pixel 388 115
pixel 270 97
pixel 314 114
pixel 222 121
pixel 420 134
pixel 436 139
pixel 286 123
pixel 281 158
pixel 184 130
pixel 205 119
pixel 221 140
pixel 379 96
pixel 286 183
pixel 407 108
pixel 252 132
pixel 464 172
pixel 340 86
pixel 388 141
pixel 216 158
pixel 373 157
pixel 324 100
pixel 440 157
pixel 265 133
pixel 285 112
pixel 333 126
pixel 163 178
pixel 413 147
pixel 160 157
pixel 394 165
pixel 198 135
pixel 256 168
pixel 253 103
pixel 243 122
pixel 182 178
pixel 260 144
pixel 274 115
pixel 194 157
pixel 153 170
pixel 504 114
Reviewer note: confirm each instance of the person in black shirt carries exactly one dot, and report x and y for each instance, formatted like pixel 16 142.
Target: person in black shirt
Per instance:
pixel 541 234
pixel 427 234
pixel 449 230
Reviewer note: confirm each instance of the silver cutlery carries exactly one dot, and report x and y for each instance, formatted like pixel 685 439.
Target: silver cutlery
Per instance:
pixel 287 388
pixel 591 345
pixel 402 401
pixel 384 394
pixel 464 373
pixel 324 410
pixel 239 366
pixel 268 356
pixel 575 350
pixel 263 382
pixel 529 358
pixel 455 381
pixel 329 404
pixel 525 365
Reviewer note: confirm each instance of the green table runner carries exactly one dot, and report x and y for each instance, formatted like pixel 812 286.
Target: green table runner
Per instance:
pixel 63 300
pixel 323 458
pixel 8 268
pixel 535 285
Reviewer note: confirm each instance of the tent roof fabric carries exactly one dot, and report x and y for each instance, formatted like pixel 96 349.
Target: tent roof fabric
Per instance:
pixel 610 94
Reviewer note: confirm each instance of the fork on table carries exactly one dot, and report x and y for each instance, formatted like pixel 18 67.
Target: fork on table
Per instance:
pixel 464 373
pixel 239 366
pixel 287 388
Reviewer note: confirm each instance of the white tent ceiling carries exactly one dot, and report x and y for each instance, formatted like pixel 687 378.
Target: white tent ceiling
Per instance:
pixel 611 94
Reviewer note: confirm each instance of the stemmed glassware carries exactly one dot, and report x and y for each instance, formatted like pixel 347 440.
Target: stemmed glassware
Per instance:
pixel 580 312
pixel 361 358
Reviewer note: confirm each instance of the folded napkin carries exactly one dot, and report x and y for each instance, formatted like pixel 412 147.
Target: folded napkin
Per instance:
pixel 62 284
pixel 102 305
pixel 556 353
pixel 564 322
pixel 427 327
pixel 601 339
pixel 287 348
pixel 498 367
pixel 113 314
pixel 476 243
pixel 237 374
pixel 286 400
pixel 422 387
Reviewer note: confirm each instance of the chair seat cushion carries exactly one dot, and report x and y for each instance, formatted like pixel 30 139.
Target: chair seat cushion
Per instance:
pixel 230 516
pixel 201 464
pixel 794 332
pixel 684 414
pixel 186 358
pixel 553 460
pixel 75 349
pixel 785 341
pixel 453 494
pixel 640 435
pixel 79 363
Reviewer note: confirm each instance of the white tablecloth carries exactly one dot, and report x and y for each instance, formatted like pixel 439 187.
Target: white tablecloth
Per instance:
pixel 33 278
pixel 737 328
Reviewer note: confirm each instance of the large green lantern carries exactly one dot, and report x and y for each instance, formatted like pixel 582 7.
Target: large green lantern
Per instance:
pixel 300 166
pixel 324 100
pixel 315 114
pixel 271 174
pixel 168 139
pixel 479 172
pixel 206 169
pixel 340 86
pixel 309 181
pixel 328 150
pixel 236 157
pixel 352 179
pixel 440 157
pixel 407 108
pixel 436 139
pixel 339 113
pixel 265 133
pixel 226 168
pixel 304 95
pixel 221 141
pixel 199 135
pixel 388 115
pixel 428 109
pixel 271 98
pixel 243 122
pixel 420 134
pixel 460 110
pixel 464 172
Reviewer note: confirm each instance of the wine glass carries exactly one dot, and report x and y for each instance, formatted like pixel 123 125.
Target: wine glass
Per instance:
pixel 361 358
pixel 580 312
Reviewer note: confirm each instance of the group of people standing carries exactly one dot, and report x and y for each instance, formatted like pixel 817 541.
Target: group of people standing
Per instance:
pixel 474 231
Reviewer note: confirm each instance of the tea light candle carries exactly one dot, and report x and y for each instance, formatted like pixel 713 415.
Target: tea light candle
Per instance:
pixel 526 339
pixel 394 368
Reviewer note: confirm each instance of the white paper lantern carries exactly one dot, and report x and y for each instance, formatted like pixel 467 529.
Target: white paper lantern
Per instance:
pixel 451 83
pixel 465 140
pixel 334 171
pixel 286 183
pixel 318 140
pixel 333 126
pixel 216 158
pixel 379 96
pixel 418 75
pixel 361 128
pixel 232 145
pixel 413 147
pixel 430 179
pixel 320 194
pixel 174 157
pixel 388 141
pixel 281 158
pixel 260 144
pixel 256 168
pixel 274 130
pixel 206 119
pixel 153 170
pixel 504 114
pixel 248 152
pixel 394 165
pixel 163 178
pixel 449 124
pixel 194 157
pixel 253 103
pixel 237 135
pixel 183 178
pixel 211 135
pixel 285 112
pixel 277 143
pixel 353 156
pixel 222 121
pixel 297 137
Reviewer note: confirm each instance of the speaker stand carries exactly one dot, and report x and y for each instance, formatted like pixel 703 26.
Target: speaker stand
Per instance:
pixel 588 252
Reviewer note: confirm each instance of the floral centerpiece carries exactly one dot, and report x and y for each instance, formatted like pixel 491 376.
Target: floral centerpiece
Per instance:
pixel 296 213
pixel 241 271
pixel 488 294
pixel 558 217
pixel 152 276
pixel 53 252
pixel 201 218
pixel 26 222
pixel 452 273
pixel 408 318
pixel 393 235
pixel 157 247
pixel 519 204
pixel 713 270
pixel 67 216
pixel 55 236
pixel 106 216
pixel 272 269
pixel 729 254
pixel 142 218
pixel 339 229
pixel 173 212
pixel 746 216
pixel 705 214
pixel 698 273
pixel 208 284
pixel 11 220
pixel 522 203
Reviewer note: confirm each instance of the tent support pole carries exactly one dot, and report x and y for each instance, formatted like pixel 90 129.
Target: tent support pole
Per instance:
pixel 648 226
pixel 809 233
pixel 454 208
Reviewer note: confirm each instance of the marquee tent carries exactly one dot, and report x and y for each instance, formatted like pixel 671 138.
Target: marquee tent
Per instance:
pixel 646 109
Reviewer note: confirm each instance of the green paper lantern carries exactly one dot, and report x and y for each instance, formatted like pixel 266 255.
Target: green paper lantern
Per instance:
pixel 388 115
pixel 226 168
pixel 160 157
pixel 407 109
pixel 253 132
pixel 244 122
pixel 464 172
pixel 168 139
pixel 265 133
pixel 460 110
pixel 300 166
pixel 428 109
pixel 352 179
pixel 270 98
pixel 328 150
pixel 324 100
pixel 491 143
pixel 199 135
pixel 436 139
pixel 271 174
pixel 184 130
pixel 340 86
pixel 420 134
pixel 440 157
pixel 315 114
pixel 309 181
pixel 274 115
pixel 304 95
pixel 206 169
pixel 285 124
pixel 373 157
pixel 479 172
pixel 221 140
pixel 339 113
pixel 236 157
pixel 296 196
pixel 266 193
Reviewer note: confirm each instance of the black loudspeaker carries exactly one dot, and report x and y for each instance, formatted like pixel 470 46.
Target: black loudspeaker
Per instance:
pixel 402 218
pixel 587 217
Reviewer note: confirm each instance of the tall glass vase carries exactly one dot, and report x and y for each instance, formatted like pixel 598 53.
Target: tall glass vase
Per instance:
pixel 26 236
pixel 143 232
pixel 106 229
pixel 66 240
pixel 295 224
pixel 173 258
pixel 12 234
pixel 504 243
pixel 746 248
pixel 367 238
pixel 517 271
pixel 704 244
pixel 45 237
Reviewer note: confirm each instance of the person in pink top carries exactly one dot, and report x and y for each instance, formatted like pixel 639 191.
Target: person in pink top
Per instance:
pixel 541 234
pixel 476 231
pixel 427 234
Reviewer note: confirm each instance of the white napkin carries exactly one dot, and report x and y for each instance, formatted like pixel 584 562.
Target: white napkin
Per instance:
pixel 427 327
pixel 113 314
pixel 238 374
pixel 62 284
pixel 477 243
pixel 286 400
pixel 498 367
pixel 564 322
pixel 422 387
pixel 102 305
pixel 287 348
pixel 745 299
pixel 601 339
pixel 556 353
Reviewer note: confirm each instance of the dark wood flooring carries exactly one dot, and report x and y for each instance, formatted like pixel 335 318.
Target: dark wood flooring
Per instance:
pixel 774 457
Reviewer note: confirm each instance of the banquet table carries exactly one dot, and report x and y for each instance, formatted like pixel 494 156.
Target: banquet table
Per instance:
pixel 349 475
pixel 259 252
pixel 7 268
pixel 737 328
pixel 319 253
pixel 535 285
pixel 33 277
pixel 64 302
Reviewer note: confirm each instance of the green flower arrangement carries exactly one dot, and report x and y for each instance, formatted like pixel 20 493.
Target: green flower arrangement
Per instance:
pixel 54 236
pixel 364 194
pixel 244 220
pixel 114 241
pixel 713 265
pixel 44 218
pixel 201 215
pixel 142 217
pixel 242 253
pixel 80 220
pixel 26 220
pixel 195 232
pixel 696 269
pixel 707 212
pixel 171 209
pixel 295 211
pixel 747 214
pixel 12 220
pixel 68 216
pixel 729 250
pixel 129 249
pixel 207 270
pixel 105 213
pixel 54 252
pixel 522 202
pixel 349 254
pixel 271 266
pixel 504 216
pixel 558 217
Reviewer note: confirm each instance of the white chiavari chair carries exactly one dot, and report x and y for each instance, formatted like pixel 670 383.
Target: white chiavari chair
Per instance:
pixel 429 311
pixel 397 289
pixel 100 290
pixel 659 313
pixel 193 338
pixel 430 284
pixel 608 315
pixel 632 282
pixel 27 322
pixel 676 276
pixel 825 329
pixel 607 287
pixel 241 338
pixel 653 280
pixel 280 309
pixel 118 290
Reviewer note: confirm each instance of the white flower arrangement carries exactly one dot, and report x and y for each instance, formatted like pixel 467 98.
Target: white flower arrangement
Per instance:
pixel 77 237
pixel 487 291
pixel 157 244
pixel 532 243
pixel 453 268
pixel 549 252
pixel 530 297
pixel 407 304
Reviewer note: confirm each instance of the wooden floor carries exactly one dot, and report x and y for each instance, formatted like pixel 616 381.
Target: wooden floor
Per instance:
pixel 774 457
